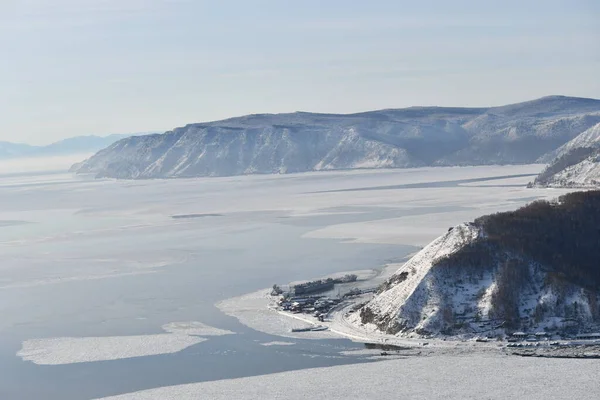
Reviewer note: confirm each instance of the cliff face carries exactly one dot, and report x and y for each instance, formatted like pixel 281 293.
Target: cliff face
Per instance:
pixel 531 269
pixel 412 137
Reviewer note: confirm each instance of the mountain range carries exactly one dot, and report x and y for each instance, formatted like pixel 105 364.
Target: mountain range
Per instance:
pixel 395 138
pixel 74 145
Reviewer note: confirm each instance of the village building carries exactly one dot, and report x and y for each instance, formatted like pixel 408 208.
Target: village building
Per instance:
pixel 589 336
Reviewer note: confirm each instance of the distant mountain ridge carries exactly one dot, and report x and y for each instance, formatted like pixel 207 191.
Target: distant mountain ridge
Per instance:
pixel 393 138
pixel 74 145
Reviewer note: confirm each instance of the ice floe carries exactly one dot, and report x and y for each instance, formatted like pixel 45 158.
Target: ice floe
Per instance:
pixel 194 328
pixel 70 350
pixel 276 343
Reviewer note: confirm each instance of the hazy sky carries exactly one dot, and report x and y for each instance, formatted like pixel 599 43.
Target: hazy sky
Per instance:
pixel 75 67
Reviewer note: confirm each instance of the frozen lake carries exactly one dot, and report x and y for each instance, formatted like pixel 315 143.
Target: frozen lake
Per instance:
pixel 94 274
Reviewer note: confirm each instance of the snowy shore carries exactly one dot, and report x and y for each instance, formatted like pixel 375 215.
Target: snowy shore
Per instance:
pixel 259 311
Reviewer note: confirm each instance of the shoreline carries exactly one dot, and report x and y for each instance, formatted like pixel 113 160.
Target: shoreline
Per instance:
pixel 260 311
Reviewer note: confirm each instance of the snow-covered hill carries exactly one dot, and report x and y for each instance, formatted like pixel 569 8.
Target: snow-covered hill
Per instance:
pixel 579 168
pixel 583 174
pixel 297 142
pixel 588 138
pixel 575 164
pixel 482 277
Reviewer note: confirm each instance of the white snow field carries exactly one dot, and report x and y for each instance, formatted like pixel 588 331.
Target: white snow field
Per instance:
pixel 437 377
pixel 70 350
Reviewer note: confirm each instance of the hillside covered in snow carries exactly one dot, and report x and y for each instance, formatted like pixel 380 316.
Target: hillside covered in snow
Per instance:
pixel 579 168
pixel 395 138
pixel 588 138
pixel 576 164
pixel 532 269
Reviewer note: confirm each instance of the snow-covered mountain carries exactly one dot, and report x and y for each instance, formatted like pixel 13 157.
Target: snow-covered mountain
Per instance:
pixel 416 136
pixel 218 151
pixel 532 269
pixel 576 163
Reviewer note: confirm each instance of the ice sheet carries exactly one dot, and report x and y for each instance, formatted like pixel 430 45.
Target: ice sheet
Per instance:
pixel 419 230
pixel 436 377
pixel 70 350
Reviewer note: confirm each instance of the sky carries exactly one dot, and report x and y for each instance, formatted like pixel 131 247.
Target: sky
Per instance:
pixel 80 67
